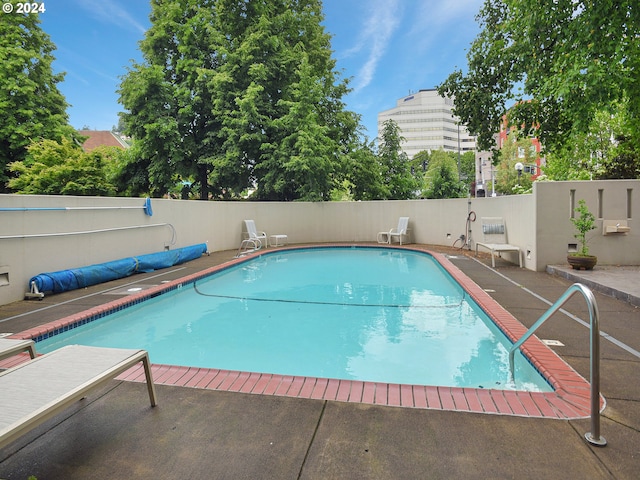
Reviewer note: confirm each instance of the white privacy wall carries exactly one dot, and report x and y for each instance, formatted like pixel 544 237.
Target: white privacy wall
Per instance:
pixel 49 233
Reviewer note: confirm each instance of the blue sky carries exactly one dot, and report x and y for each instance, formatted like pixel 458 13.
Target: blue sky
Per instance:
pixel 387 47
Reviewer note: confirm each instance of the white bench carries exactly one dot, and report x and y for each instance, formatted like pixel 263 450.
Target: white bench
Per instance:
pixel 494 233
pixel 35 391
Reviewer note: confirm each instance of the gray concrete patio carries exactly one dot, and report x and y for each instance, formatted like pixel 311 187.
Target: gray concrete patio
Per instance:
pixel 193 433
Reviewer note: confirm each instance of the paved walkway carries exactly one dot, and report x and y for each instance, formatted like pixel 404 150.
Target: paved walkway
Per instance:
pixel 195 433
pixel 622 282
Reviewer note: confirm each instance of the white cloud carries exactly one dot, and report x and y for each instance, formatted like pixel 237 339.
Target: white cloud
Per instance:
pixel 379 26
pixel 109 11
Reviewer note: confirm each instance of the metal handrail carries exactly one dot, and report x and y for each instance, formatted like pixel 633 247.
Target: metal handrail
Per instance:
pixel 87 232
pixel 593 436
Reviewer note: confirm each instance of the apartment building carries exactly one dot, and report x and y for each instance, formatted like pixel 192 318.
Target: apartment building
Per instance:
pixel 426 123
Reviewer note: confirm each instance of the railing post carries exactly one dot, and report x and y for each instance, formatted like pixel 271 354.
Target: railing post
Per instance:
pixel 593 437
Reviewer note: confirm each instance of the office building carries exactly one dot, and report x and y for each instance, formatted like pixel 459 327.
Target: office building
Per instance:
pixel 426 123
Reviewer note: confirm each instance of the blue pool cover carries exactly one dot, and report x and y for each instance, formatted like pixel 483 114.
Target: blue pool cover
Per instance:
pixel 93 274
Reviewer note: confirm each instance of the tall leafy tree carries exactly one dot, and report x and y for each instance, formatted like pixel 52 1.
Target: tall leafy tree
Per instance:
pixel 441 179
pixel 571 58
pixel 394 164
pixel 236 94
pixel 31 106
pixel 364 172
pixel 609 149
pixel 167 98
pixel 280 100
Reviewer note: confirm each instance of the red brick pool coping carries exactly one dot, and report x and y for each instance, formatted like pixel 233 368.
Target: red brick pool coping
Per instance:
pixel 569 400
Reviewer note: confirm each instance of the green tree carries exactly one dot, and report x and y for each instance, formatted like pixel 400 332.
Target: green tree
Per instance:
pixel 167 99
pixel 608 150
pixel 131 176
pixel 584 222
pixel 238 94
pixel 53 168
pixel 31 106
pixel 515 150
pixel 467 166
pixel 394 164
pixel 444 184
pixel 420 162
pixel 626 159
pixel 441 179
pixel 571 58
pixel 364 172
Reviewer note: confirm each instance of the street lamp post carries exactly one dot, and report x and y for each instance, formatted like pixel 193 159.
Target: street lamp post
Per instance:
pixel 519 168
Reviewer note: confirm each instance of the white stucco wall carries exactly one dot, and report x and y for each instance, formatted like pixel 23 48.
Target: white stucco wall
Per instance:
pixel 608 200
pixel 42 241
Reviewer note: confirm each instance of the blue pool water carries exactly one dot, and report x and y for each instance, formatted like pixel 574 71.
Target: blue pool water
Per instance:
pixel 371 314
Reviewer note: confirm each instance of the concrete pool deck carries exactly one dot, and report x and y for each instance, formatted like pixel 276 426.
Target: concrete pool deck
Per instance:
pixel 213 434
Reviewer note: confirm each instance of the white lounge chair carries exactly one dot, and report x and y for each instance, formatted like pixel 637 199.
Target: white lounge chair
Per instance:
pixel 401 231
pixel 11 346
pixel 494 234
pixel 252 239
pixel 37 390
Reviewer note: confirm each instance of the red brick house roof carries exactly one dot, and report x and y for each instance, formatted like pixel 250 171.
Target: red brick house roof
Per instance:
pixel 98 138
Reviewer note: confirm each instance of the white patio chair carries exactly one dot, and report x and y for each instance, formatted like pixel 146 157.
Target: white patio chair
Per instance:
pixel 259 237
pixel 401 231
pixel 252 239
pixel 494 233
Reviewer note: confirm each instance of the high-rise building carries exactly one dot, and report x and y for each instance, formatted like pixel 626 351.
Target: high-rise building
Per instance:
pixel 426 123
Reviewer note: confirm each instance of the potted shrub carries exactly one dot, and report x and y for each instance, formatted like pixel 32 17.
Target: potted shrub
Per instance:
pixel 584 223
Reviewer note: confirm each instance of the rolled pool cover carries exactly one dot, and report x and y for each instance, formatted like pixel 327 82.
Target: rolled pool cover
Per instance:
pixel 74 278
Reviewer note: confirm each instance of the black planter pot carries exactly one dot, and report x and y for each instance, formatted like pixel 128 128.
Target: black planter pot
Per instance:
pixel 579 262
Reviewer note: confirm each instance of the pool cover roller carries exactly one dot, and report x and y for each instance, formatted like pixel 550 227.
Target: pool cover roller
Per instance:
pixel 74 278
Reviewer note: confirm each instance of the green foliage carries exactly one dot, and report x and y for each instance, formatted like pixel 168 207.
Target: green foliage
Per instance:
pixel 31 106
pixel 394 164
pixel 420 162
pixel 342 193
pixel 53 168
pixel 468 166
pixel 364 172
pixel 444 184
pixel 441 179
pixel 236 95
pixel 584 223
pixel 625 161
pixel 514 150
pixel 571 58
pixel 609 149
pixel 131 177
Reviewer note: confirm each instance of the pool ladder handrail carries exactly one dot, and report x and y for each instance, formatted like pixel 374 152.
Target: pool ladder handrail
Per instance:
pixel 593 437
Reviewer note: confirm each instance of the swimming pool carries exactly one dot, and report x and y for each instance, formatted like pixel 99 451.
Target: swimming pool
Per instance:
pixel 367 314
